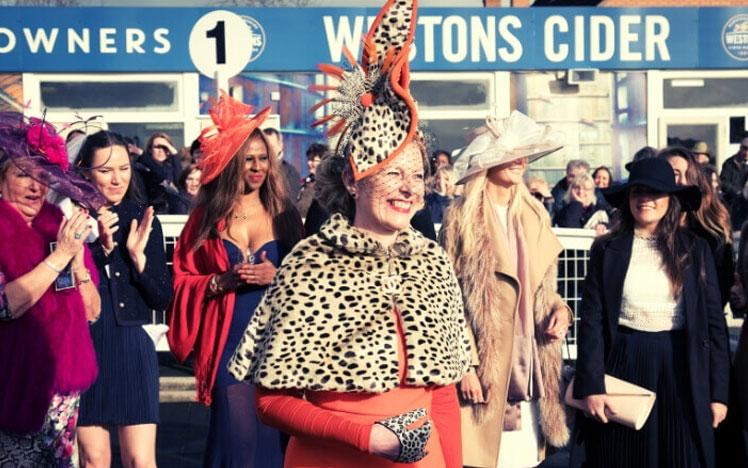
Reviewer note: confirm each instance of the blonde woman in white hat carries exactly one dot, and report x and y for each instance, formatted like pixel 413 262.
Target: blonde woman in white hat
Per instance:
pixel 504 252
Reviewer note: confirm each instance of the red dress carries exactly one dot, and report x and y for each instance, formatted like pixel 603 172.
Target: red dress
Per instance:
pixel 332 429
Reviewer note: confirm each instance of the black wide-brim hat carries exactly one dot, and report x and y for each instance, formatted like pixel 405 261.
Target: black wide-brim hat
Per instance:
pixel 655 174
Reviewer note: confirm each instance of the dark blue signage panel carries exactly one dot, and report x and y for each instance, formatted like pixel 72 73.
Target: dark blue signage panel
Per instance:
pixel 294 39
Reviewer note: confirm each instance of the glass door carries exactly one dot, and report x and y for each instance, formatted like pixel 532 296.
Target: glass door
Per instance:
pixel 686 132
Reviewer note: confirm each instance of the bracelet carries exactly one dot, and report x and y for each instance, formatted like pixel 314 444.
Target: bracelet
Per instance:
pixel 52 267
pixel 214 286
pixel 80 279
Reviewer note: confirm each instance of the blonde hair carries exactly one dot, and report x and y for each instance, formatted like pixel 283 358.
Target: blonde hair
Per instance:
pixel 476 209
pixel 578 181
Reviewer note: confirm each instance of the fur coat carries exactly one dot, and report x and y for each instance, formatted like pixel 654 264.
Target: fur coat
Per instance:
pixel 47 350
pixel 491 293
pixel 326 321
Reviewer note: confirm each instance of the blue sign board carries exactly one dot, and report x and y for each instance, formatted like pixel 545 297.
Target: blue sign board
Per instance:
pixel 297 39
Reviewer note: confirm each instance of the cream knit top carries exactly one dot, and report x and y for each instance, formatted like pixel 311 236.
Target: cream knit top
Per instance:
pixel 647 303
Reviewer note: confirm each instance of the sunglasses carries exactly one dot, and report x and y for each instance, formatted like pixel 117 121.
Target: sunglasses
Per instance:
pixel 163 148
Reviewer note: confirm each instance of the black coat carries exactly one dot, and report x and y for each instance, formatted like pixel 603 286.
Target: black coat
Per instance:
pixel 706 330
pixel 159 180
pixel 135 295
pixel 574 215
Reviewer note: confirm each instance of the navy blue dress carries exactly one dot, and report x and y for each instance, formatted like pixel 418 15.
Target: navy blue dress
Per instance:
pixel 236 436
pixel 126 391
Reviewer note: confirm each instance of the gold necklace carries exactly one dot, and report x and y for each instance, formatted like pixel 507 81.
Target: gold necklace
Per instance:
pixel 245 217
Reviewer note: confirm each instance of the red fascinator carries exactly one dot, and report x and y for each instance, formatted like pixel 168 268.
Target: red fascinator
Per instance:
pixel 232 125
pixel 376 115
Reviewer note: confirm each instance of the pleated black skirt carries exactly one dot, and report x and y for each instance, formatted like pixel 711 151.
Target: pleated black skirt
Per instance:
pixel 126 390
pixel 655 361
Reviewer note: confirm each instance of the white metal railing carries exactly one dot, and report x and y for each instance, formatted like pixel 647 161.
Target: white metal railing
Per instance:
pixel 572 268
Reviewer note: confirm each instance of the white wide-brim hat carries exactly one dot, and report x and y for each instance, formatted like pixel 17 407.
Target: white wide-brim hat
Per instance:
pixel 506 140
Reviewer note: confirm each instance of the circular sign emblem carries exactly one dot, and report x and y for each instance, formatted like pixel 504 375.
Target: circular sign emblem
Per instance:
pixel 258 37
pixel 735 37
pixel 221 43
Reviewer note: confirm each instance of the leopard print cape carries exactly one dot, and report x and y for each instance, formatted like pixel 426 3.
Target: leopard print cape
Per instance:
pixel 327 323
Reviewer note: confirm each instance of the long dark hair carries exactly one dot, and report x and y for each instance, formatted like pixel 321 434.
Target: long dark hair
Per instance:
pixel 672 241
pixel 216 199
pixel 712 216
pixel 107 139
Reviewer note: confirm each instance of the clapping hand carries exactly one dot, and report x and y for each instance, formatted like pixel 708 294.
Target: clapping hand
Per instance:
pixel 73 233
pixel 108 225
pixel 138 239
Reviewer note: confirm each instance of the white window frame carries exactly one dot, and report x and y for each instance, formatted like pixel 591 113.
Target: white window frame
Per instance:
pixel 499 93
pixel 656 111
pixel 187 98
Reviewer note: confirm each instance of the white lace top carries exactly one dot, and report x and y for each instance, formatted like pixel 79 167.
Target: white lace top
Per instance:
pixel 648 303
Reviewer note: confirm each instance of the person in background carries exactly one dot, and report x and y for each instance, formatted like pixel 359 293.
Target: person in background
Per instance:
pixel 651 315
pixel 500 241
pixel 739 307
pixel 540 189
pixel 290 174
pixel 581 209
pixel 235 238
pixel 733 179
pixel 442 192
pixel 46 355
pixel 574 168
pixel 135 280
pixel 710 220
pixel 602 177
pixel 710 172
pixel 440 158
pixel 189 187
pixel 196 152
pixel 643 153
pixel 314 155
pixel 701 153
pixel 159 169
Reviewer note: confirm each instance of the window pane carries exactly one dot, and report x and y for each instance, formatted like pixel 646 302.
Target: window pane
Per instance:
pixel 110 96
pixel 705 92
pixel 464 95
pixel 140 132
pixel 688 135
pixel 450 134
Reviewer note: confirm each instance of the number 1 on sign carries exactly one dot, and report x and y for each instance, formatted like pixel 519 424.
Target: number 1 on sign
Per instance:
pixel 219 34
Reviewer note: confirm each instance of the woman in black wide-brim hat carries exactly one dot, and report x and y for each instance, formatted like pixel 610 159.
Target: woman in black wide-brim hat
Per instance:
pixel 651 315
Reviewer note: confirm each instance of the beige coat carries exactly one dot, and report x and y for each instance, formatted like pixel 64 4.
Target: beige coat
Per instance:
pixel 491 293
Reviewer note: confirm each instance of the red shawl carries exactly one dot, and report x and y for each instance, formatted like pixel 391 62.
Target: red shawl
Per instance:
pixel 198 323
pixel 48 349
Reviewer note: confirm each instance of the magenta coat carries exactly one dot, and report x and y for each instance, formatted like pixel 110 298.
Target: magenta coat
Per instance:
pixel 47 350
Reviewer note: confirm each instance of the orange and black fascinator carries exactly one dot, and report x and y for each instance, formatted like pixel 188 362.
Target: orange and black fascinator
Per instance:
pixel 372 109
pixel 232 125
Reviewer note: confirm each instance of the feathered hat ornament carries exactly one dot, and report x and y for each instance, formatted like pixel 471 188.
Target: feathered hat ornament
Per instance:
pixel 232 125
pixel 502 141
pixel 35 147
pixel 372 109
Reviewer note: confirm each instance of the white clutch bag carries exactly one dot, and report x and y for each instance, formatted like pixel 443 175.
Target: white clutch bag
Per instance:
pixel 632 403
